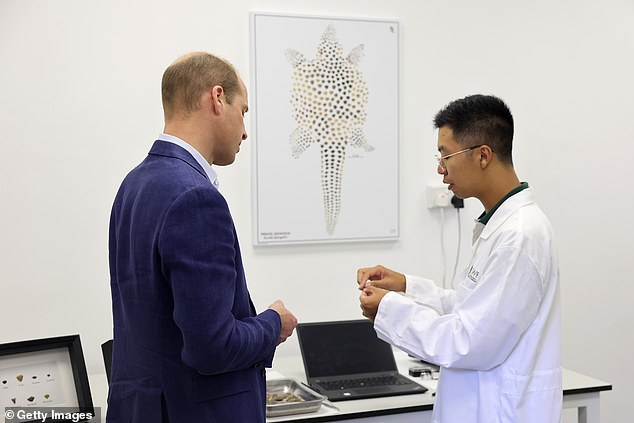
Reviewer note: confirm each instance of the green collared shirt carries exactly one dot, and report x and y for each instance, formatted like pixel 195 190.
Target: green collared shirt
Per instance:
pixel 485 216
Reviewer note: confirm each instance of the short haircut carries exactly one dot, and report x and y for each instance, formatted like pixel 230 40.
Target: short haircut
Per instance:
pixel 190 76
pixel 480 119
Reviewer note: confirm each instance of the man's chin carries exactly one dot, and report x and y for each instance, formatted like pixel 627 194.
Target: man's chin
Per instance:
pixel 226 161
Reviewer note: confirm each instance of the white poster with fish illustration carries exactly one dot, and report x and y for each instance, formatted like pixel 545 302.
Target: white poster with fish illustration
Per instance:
pixel 325 104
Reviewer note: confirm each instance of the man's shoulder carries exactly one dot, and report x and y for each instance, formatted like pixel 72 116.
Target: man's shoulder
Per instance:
pixel 527 226
pixel 162 180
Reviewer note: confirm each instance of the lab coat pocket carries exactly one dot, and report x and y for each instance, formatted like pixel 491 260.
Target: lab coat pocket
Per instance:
pixel 468 284
pixel 541 380
pixel 539 393
pixel 465 288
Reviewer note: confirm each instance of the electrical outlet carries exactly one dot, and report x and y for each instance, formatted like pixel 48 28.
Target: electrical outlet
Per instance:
pixel 438 196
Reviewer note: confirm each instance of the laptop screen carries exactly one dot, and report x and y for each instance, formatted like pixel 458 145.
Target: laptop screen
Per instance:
pixel 343 348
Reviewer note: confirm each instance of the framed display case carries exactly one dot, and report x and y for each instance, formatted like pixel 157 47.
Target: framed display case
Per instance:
pixel 44 374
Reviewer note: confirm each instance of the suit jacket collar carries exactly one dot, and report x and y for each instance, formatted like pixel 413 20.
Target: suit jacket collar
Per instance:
pixel 168 149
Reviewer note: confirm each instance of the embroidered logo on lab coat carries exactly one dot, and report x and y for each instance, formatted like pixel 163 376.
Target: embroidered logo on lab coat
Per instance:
pixel 473 274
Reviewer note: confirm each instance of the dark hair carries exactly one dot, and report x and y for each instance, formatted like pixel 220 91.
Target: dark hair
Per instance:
pixel 480 119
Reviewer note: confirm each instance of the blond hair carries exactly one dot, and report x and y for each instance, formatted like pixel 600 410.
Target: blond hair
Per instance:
pixel 185 81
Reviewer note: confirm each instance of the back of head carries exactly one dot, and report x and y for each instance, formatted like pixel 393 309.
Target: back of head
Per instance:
pixel 190 76
pixel 480 119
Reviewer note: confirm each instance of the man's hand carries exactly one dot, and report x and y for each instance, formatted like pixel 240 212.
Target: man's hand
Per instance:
pixel 370 299
pixel 381 277
pixel 289 321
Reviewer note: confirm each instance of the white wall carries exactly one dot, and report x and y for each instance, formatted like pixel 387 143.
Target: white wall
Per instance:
pixel 80 106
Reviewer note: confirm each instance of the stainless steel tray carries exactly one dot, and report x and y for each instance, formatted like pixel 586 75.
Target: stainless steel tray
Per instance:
pixel 311 399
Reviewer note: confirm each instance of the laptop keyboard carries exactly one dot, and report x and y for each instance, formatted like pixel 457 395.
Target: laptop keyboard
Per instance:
pixel 362 383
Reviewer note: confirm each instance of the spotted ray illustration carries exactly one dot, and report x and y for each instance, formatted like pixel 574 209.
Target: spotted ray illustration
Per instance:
pixel 328 101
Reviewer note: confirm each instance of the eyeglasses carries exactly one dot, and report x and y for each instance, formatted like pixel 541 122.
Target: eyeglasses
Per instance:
pixel 443 159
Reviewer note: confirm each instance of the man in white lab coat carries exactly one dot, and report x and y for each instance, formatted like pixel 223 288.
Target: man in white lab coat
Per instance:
pixel 496 336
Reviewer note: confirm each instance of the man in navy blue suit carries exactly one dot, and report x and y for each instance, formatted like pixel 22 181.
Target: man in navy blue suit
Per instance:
pixel 188 344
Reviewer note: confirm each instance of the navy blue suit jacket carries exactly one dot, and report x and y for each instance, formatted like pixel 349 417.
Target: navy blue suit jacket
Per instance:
pixel 188 345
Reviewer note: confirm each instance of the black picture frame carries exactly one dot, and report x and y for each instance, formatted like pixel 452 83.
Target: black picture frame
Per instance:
pixel 70 343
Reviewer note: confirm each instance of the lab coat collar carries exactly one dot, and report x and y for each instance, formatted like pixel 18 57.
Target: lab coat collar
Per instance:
pixel 486 215
pixel 506 209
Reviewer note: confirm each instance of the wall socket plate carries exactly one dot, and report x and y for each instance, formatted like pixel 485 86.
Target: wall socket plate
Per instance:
pixel 438 196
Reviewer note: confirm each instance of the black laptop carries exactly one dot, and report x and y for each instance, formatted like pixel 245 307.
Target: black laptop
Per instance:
pixel 345 360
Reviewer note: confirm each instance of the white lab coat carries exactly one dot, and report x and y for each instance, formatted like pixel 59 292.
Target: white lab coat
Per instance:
pixel 497 336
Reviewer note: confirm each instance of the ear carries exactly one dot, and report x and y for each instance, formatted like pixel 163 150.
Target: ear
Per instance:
pixel 486 155
pixel 218 99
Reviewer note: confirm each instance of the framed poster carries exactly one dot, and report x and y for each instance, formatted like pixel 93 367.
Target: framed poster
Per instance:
pixel 45 375
pixel 325 129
